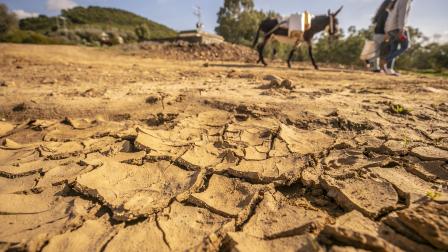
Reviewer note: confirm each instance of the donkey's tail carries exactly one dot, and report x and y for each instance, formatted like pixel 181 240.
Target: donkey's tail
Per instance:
pixel 256 37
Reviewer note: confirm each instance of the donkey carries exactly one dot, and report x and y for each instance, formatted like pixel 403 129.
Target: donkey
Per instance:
pixel 273 31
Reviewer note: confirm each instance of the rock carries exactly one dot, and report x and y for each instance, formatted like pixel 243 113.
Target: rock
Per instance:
pixel 271 77
pixel 228 197
pixel 370 197
pixel 276 218
pixel 80 124
pixel 132 192
pixel 48 81
pixel 430 221
pixel 20 107
pixel 91 236
pixel 353 229
pixel 247 76
pixel 242 242
pixel 287 84
pixel 430 153
pixel 152 99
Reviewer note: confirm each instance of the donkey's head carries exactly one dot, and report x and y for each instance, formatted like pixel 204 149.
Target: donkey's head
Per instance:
pixel 333 22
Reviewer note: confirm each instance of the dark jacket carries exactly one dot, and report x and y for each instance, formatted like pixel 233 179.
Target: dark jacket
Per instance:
pixel 381 17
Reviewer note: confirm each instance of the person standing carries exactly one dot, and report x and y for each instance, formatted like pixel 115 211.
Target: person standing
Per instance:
pixel 396 34
pixel 379 20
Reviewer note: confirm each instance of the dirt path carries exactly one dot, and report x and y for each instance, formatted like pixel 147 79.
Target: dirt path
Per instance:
pixel 105 151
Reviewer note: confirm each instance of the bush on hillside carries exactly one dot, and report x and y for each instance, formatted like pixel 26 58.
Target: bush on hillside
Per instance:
pixel 41 24
pixel 29 37
pixel 8 20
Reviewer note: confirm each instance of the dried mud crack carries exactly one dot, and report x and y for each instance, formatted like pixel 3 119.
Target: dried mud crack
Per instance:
pixel 161 155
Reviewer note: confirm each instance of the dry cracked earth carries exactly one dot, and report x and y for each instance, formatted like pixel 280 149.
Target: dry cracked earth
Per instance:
pixel 102 151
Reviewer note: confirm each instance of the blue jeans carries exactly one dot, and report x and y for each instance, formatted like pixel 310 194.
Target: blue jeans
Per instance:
pixel 396 47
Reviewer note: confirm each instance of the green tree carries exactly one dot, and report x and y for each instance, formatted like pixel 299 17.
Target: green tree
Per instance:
pixel 142 32
pixel 238 21
pixel 8 20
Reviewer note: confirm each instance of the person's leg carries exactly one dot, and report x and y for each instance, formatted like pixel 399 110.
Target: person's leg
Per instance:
pixel 393 48
pixel 375 62
pixel 398 47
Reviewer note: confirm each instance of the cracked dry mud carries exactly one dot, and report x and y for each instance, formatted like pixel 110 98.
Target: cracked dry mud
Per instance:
pixel 110 152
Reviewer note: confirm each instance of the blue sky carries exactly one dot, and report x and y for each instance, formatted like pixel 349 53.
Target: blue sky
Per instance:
pixel 428 15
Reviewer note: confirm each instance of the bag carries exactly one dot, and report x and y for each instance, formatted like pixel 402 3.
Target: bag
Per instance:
pixel 369 50
pixel 299 23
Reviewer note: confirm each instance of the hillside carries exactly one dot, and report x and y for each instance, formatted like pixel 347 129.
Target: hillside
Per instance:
pixel 96 17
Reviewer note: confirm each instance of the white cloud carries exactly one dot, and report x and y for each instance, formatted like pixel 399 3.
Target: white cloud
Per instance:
pixel 21 14
pixel 57 5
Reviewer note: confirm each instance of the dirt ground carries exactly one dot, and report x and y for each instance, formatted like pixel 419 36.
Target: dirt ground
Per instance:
pixel 107 150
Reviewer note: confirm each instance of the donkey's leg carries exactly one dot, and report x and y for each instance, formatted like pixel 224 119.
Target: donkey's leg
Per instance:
pixel 291 54
pixel 261 50
pixel 310 52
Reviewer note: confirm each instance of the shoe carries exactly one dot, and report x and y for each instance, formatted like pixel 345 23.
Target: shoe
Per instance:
pixel 377 71
pixel 389 71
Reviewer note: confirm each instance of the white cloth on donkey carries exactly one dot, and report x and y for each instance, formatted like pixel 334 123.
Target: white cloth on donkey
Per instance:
pixel 297 24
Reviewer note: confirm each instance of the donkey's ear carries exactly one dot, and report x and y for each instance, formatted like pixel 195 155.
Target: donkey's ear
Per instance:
pixel 329 12
pixel 337 12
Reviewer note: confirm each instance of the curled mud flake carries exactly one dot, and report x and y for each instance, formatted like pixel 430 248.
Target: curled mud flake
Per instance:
pixel 33 219
pixel 228 197
pixel 57 151
pixel 279 170
pixel 5 128
pixel 408 186
pixel 178 228
pixel 276 218
pixel 246 243
pixel 430 221
pixel 91 236
pixel 371 197
pixel 430 153
pixel 200 157
pixel 303 141
pixel 353 229
pixel 138 191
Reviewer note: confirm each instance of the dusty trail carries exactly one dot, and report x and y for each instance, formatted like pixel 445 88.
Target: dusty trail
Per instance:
pixel 102 150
